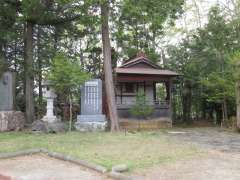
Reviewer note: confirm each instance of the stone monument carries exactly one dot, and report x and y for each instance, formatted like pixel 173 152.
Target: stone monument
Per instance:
pixel 91 118
pixel 7 91
pixel 9 118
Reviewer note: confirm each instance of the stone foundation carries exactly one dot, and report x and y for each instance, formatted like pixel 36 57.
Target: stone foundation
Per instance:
pixel 153 124
pixel 11 121
pixel 41 126
pixel 51 119
pixel 91 126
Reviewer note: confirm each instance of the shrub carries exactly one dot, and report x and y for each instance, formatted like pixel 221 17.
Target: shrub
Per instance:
pixel 141 109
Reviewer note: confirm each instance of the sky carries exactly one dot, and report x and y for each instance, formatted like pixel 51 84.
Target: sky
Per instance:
pixel 204 6
pixel 189 21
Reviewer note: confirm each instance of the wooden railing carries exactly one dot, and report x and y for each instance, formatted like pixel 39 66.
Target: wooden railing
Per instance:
pixel 156 104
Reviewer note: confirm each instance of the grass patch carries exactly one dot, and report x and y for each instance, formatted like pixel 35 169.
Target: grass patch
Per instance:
pixel 139 150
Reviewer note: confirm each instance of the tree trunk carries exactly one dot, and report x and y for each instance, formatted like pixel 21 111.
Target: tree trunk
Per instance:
pixel 223 115
pixel 39 59
pixel 29 74
pixel 70 113
pixel 225 109
pixel 238 102
pixel 163 57
pixel 55 46
pixel 197 14
pixel 187 102
pixel 111 102
pixel 218 109
pixel 224 112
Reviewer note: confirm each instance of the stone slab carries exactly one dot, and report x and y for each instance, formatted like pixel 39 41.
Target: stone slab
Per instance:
pixel 91 97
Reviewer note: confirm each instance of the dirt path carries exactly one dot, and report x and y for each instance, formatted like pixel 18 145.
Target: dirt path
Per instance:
pixel 42 167
pixel 222 162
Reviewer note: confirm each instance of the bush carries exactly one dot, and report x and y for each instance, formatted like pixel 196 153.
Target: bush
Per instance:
pixel 141 109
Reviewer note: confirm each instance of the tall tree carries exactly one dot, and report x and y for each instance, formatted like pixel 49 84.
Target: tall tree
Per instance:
pixel 112 109
pixel 29 73
pixel 7 20
pixel 139 25
pixel 205 64
pixel 41 13
pixel 236 72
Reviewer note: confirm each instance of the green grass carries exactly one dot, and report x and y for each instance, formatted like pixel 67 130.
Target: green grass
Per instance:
pixel 139 150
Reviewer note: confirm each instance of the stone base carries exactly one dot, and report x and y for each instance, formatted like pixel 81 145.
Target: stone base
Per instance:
pixel 11 120
pixel 41 126
pixel 91 126
pixel 91 118
pixel 90 123
pixel 50 119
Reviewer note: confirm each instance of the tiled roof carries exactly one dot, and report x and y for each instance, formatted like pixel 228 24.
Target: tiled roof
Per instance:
pixel 138 59
pixel 129 67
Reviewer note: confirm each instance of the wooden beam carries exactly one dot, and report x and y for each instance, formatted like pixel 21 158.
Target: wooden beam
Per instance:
pixel 141 78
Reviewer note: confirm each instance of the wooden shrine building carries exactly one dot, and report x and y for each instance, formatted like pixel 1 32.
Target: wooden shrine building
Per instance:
pixel 141 73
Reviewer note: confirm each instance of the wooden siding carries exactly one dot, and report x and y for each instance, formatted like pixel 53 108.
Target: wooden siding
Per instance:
pixel 126 124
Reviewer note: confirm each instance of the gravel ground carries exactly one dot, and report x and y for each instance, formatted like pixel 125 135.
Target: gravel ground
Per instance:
pixel 222 161
pixel 211 139
pixel 216 166
pixel 42 167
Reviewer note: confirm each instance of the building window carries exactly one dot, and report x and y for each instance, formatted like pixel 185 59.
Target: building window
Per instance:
pixel 129 88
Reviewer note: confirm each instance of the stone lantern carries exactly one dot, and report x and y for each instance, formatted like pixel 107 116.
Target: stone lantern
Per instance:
pixel 50 95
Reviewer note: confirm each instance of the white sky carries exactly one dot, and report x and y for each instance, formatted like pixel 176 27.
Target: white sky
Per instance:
pixel 190 19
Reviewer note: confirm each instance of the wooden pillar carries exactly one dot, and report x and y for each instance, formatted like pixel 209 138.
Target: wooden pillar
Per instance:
pixel 144 86
pixel 170 98
pixel 168 90
pixel 154 92
pixel 121 90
